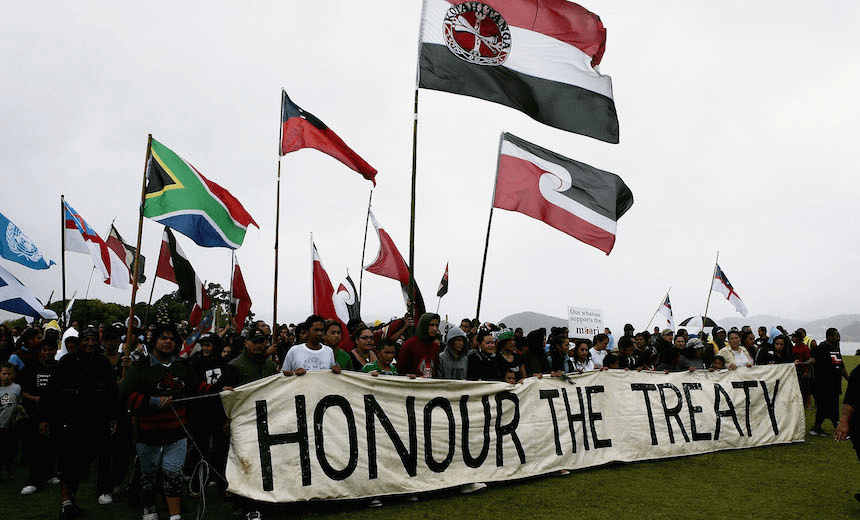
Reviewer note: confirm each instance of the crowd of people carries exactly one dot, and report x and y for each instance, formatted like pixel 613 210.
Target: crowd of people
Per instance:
pixel 140 411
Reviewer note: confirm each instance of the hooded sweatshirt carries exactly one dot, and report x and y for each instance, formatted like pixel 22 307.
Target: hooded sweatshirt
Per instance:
pixel 420 355
pixel 450 365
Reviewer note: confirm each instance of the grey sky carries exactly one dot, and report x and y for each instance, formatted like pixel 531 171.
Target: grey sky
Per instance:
pixel 738 124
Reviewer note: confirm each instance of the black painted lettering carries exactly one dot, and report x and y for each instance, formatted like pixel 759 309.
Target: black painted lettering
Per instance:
pixel 409 457
pixel 549 395
pixel 571 418
pixel 771 404
pixel 674 411
pixel 508 429
pixel 693 411
pixel 746 385
pixel 267 440
pixel 468 459
pixel 595 416
pixel 645 388
pixel 445 405
pixel 720 393
pixel 324 404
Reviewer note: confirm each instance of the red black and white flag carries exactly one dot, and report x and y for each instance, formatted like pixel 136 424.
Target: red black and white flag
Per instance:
pixel 722 285
pixel 301 129
pixel 126 254
pixel 390 264
pixel 571 196
pixel 326 302
pixel 539 58
pixel 346 291
pixel 443 285
pixel 80 237
pixel 240 300
pixel 666 311
pixel 173 266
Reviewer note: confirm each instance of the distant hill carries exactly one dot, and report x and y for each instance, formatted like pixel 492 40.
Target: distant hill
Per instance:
pixel 532 320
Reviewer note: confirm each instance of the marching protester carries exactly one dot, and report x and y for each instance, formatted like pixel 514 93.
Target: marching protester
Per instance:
pixel 482 362
pixel 310 356
pixel 507 358
pixel 332 338
pixel 827 385
pixel 735 354
pixel 34 380
pixel 454 361
pixel 362 353
pixel 580 358
pixel 419 355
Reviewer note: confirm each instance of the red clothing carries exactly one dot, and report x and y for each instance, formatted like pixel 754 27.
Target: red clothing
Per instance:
pixel 801 352
pixel 419 358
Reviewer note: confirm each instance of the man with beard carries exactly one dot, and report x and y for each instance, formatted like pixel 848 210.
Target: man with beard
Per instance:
pixel 79 407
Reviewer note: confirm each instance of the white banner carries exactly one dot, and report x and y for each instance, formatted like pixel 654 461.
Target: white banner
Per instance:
pixel 584 322
pixel 351 435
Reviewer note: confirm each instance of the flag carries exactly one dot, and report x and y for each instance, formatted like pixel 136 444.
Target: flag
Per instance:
pixel 346 291
pixel 571 196
pixel 240 300
pixel 206 324
pixel 722 285
pixel 174 266
pixel 390 264
pixel 325 302
pixel 16 298
pixel 666 310
pixel 82 238
pixel 18 248
pixel 443 285
pixel 180 197
pixel 67 314
pixel 300 129
pixel 126 253
pixel 536 57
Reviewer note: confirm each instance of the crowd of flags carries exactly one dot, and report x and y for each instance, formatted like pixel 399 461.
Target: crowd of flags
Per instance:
pixel 543 59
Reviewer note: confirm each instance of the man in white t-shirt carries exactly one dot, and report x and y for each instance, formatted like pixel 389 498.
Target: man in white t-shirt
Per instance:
pixel 599 350
pixel 311 356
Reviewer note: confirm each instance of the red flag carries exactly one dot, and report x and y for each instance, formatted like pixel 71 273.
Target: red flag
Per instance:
pixel 326 302
pixel 240 300
pixel 174 266
pixel 390 264
pixel 443 285
pixel 301 129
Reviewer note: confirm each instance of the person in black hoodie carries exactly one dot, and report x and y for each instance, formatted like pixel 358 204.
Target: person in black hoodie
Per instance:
pixel 482 362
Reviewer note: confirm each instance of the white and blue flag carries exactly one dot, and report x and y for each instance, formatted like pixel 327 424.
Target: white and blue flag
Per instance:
pixel 16 298
pixel 15 246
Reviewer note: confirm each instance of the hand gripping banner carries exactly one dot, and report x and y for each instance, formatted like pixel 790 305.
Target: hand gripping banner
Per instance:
pixel 351 435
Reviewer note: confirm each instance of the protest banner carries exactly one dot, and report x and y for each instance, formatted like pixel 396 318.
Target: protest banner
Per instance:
pixel 584 322
pixel 351 435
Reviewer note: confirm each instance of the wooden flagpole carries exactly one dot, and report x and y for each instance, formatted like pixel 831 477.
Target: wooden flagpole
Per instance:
pixel 63 251
pixel 230 312
pixel 411 310
pixel 658 308
pixel 363 249
pixel 128 334
pixel 489 224
pixel 710 290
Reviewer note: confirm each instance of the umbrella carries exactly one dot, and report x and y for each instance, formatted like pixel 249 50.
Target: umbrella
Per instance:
pixel 696 321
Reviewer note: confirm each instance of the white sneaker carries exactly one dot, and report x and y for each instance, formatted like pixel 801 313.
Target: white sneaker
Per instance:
pixel 254 515
pixel 54 481
pixel 471 488
pixel 28 490
pixel 564 472
pixel 105 499
pixel 150 514
pixel 375 503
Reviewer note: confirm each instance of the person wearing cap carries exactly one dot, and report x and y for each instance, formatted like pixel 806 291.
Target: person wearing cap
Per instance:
pixel 80 409
pixel 252 364
pixel 692 356
pixel 718 341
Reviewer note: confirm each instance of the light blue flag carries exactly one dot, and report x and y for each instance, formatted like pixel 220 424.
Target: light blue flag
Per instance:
pixel 15 246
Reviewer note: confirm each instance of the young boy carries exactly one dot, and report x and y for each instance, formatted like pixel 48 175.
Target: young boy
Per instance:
pixel 311 356
pixel 10 413
pixel 382 365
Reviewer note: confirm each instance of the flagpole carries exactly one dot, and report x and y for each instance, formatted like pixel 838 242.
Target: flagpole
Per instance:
pixel 489 224
pixel 363 248
pixel 230 301
pixel 277 213
pixel 658 308
pixel 63 251
pixel 128 335
pixel 412 219
pixel 710 290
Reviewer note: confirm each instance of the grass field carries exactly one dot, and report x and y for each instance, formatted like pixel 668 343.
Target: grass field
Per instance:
pixel 813 479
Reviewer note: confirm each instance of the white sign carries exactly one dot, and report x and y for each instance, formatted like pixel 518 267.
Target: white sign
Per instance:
pixel 351 435
pixel 583 322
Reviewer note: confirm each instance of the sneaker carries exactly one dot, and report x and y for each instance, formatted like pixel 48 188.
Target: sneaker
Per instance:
pixel 150 514
pixel 254 515
pixel 105 499
pixel 471 488
pixel 54 481
pixel 412 498
pixel 375 503
pixel 817 432
pixel 28 490
pixel 564 472
pixel 70 511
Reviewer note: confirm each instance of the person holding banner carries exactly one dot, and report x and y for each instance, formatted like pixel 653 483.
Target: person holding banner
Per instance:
pixel 482 362
pixel 311 356
pixel 734 354
pixel 581 359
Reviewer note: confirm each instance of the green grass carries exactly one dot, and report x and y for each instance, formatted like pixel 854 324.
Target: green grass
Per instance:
pixel 817 478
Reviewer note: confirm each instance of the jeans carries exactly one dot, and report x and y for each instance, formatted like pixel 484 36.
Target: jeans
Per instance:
pixel 169 458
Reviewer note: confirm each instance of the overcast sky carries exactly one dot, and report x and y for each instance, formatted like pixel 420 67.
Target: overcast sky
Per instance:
pixel 739 125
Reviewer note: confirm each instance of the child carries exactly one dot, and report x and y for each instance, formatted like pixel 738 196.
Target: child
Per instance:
pixel 510 377
pixel 10 414
pixel 383 365
pixel 719 363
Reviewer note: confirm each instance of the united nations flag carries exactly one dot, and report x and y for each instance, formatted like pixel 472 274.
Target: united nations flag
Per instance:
pixel 15 246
